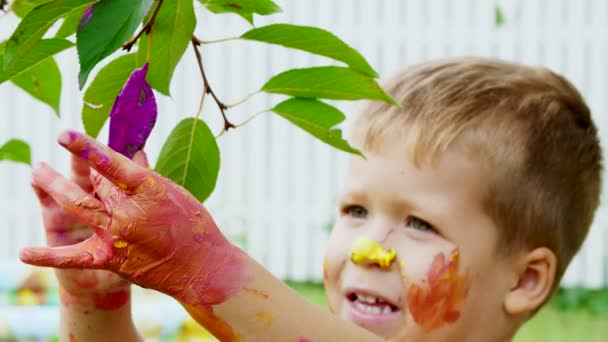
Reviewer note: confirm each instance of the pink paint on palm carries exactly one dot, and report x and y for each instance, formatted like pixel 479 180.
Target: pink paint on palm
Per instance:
pixel 303 339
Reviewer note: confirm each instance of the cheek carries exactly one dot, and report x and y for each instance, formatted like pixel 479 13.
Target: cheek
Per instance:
pixel 437 299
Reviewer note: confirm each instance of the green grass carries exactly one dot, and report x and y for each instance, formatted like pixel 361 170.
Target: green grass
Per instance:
pixel 564 319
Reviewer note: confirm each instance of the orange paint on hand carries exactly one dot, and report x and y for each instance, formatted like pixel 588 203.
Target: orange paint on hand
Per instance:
pixel 258 293
pixel 215 325
pixel 266 317
pixel 438 302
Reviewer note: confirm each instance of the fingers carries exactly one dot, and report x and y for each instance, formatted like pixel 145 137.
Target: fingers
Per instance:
pixel 81 173
pixel 112 165
pixel 70 196
pixel 44 198
pixel 141 159
pixel 91 253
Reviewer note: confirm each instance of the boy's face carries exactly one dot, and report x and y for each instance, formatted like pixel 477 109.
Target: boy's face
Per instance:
pixel 445 281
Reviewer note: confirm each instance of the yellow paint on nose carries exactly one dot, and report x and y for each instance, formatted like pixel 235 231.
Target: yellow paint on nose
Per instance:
pixel 365 250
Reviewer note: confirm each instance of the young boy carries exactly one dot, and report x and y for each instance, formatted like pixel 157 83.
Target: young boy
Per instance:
pixel 473 198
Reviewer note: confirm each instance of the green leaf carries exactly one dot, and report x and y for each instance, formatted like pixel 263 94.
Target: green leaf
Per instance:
pixel 35 24
pixel 328 82
pixel 40 51
pixel 245 8
pixel 70 24
pixel 499 18
pixel 173 29
pixel 111 23
pixel 43 82
pixel 22 7
pixel 316 118
pixel 16 150
pixel 102 92
pixel 313 40
pixel 190 157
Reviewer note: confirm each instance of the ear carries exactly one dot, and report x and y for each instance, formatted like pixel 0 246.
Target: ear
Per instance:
pixel 533 280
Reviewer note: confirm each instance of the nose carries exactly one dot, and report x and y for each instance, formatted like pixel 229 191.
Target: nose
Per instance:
pixel 365 251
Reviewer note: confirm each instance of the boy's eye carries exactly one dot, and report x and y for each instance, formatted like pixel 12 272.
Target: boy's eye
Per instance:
pixel 356 211
pixel 419 224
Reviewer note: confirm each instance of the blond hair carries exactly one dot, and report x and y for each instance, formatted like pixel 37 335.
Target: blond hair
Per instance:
pixel 528 126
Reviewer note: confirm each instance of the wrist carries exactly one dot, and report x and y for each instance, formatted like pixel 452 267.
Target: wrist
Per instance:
pixel 95 300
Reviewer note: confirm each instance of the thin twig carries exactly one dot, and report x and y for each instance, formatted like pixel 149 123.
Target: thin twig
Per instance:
pixel 242 100
pixel 203 42
pixel 145 29
pixel 253 117
pixel 244 122
pixel 220 104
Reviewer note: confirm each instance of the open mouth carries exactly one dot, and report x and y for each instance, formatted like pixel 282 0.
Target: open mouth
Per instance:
pixel 370 304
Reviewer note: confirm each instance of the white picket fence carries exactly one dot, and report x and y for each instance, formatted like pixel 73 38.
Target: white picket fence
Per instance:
pixel 277 186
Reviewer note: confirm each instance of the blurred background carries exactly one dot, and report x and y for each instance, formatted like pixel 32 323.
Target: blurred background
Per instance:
pixel 275 194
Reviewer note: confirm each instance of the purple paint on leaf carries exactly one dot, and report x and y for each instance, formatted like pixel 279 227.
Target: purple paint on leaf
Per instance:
pixel 86 16
pixel 133 115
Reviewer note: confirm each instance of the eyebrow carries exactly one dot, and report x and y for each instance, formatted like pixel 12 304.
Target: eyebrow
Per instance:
pixel 353 195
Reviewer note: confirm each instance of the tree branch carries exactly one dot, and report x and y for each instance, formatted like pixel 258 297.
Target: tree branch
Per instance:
pixel 207 87
pixel 145 29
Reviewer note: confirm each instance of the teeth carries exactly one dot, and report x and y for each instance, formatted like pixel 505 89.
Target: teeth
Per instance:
pixel 367 299
pixel 362 303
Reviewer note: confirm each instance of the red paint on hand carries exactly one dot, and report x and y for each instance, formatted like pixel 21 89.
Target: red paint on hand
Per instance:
pixel 438 302
pixel 147 229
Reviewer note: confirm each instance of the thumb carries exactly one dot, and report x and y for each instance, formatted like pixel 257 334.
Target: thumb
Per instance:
pixel 91 253
pixel 140 158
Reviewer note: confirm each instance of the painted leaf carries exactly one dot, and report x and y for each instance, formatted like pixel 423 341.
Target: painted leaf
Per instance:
pixel 330 82
pixel 133 115
pixel 23 7
pixel 40 51
pixel 311 39
pixel 70 24
pixel 102 92
pixel 245 8
pixel 173 29
pixel 316 118
pixel 16 150
pixel 34 25
pixel 104 28
pixel 43 82
pixel 190 157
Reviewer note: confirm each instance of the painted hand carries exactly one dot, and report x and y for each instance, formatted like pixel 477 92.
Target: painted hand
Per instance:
pixel 147 229
pixel 89 288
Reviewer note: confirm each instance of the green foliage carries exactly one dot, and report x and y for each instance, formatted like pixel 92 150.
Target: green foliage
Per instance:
pixel 499 18
pixel 22 7
pixel 70 24
pixel 41 50
pixel 103 90
pixel 43 82
pixel 244 8
pixel 190 155
pixel 25 41
pixel 16 150
pixel 329 82
pixel 110 24
pixel 311 39
pixel 191 158
pixel 173 31
pixel 594 301
pixel 316 118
